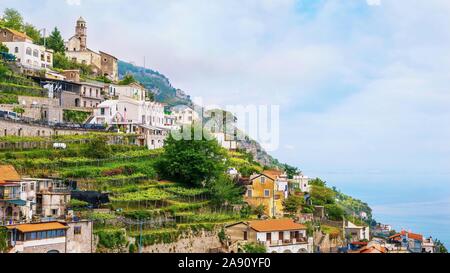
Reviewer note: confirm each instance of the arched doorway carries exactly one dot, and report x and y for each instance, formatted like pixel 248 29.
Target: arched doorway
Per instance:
pixel 77 102
pixel 302 250
pixel 53 252
pixel 287 251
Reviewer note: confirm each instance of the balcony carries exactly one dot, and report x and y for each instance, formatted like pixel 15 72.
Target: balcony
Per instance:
pixel 287 242
pixel 9 196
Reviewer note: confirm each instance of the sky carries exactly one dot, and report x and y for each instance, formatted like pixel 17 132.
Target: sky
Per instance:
pixel 362 85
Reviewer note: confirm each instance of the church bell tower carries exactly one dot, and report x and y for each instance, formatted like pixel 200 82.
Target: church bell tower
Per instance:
pixel 81 33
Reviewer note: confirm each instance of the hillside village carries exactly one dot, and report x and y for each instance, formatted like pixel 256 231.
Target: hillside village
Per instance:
pixel 88 164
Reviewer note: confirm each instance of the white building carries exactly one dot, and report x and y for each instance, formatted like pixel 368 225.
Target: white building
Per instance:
pixel 132 91
pixel 184 114
pixel 277 235
pixel 30 55
pixel 356 233
pixel 300 182
pixel 428 246
pixel 145 118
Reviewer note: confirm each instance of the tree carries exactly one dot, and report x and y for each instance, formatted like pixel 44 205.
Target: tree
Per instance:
pixel 33 33
pixel 440 247
pixel 334 212
pixel 19 110
pixel 192 161
pixel 225 192
pixel 260 210
pixel 318 182
pixel 293 204
pixel 3 48
pixel 13 19
pixel 128 79
pixel 98 148
pixel 322 195
pixel 254 248
pixel 55 41
pixel 290 171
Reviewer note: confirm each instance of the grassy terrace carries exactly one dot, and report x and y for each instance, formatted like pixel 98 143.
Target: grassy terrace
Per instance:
pixel 128 175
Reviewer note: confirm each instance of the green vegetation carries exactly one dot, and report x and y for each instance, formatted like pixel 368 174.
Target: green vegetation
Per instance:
pixel 98 148
pixel 3 239
pixel 55 41
pixel 191 162
pixel 3 48
pixel 13 19
pixel 293 203
pixel 78 204
pixel 254 248
pixel 112 239
pixel 75 116
pixel 61 62
pixel 128 79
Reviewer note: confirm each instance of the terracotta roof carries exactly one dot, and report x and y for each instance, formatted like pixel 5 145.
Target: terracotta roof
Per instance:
pixel 38 227
pixel 411 235
pixel 374 249
pixel 276 225
pixel 8 173
pixel 273 173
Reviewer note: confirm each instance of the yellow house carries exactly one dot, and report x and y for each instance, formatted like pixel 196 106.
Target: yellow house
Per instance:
pixel 263 190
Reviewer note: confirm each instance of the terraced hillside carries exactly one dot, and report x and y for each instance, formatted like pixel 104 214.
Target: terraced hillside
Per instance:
pixel 141 208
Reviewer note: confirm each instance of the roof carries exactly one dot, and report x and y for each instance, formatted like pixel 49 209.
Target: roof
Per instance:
pixel 374 249
pixel 18 33
pixel 104 53
pixel 275 225
pixel 8 173
pixel 81 19
pixel 274 174
pixel 411 235
pixel 38 227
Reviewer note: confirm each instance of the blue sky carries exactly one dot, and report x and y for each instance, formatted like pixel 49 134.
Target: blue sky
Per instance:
pixel 363 89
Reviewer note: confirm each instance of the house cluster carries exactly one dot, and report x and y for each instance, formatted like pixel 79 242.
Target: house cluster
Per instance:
pixel 277 233
pixel 109 105
pixel 402 242
pixel 37 215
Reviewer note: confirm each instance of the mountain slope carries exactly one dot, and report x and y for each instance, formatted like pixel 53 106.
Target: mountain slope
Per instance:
pixel 155 82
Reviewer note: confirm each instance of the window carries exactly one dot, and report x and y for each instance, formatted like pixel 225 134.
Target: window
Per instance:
pixel 24 187
pixel 32 186
pixel 28 51
pixel 266 193
pixel 263 180
pixel 4 33
pixel 102 111
pixel 77 230
pixel 249 193
pixel 245 235
pixel 16 49
pixel 269 237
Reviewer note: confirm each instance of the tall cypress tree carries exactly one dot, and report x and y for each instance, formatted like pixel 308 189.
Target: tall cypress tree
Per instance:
pixel 55 41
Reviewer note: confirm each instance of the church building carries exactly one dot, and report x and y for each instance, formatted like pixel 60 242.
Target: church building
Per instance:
pixel 103 64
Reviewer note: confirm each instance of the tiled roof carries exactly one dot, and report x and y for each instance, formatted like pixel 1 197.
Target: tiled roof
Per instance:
pixel 273 173
pixel 374 249
pixel 38 227
pixel 275 225
pixel 18 33
pixel 8 173
pixel 411 235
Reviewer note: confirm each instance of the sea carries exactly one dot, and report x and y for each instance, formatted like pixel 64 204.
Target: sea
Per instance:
pixel 413 202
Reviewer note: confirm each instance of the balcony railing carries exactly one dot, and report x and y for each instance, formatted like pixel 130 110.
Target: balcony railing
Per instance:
pixel 284 242
pixel 10 196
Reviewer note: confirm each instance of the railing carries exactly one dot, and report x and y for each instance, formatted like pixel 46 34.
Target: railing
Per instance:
pixel 293 241
pixel 10 196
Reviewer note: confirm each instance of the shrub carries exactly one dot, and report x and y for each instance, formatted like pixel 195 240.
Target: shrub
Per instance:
pixel 254 248
pixel 111 238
